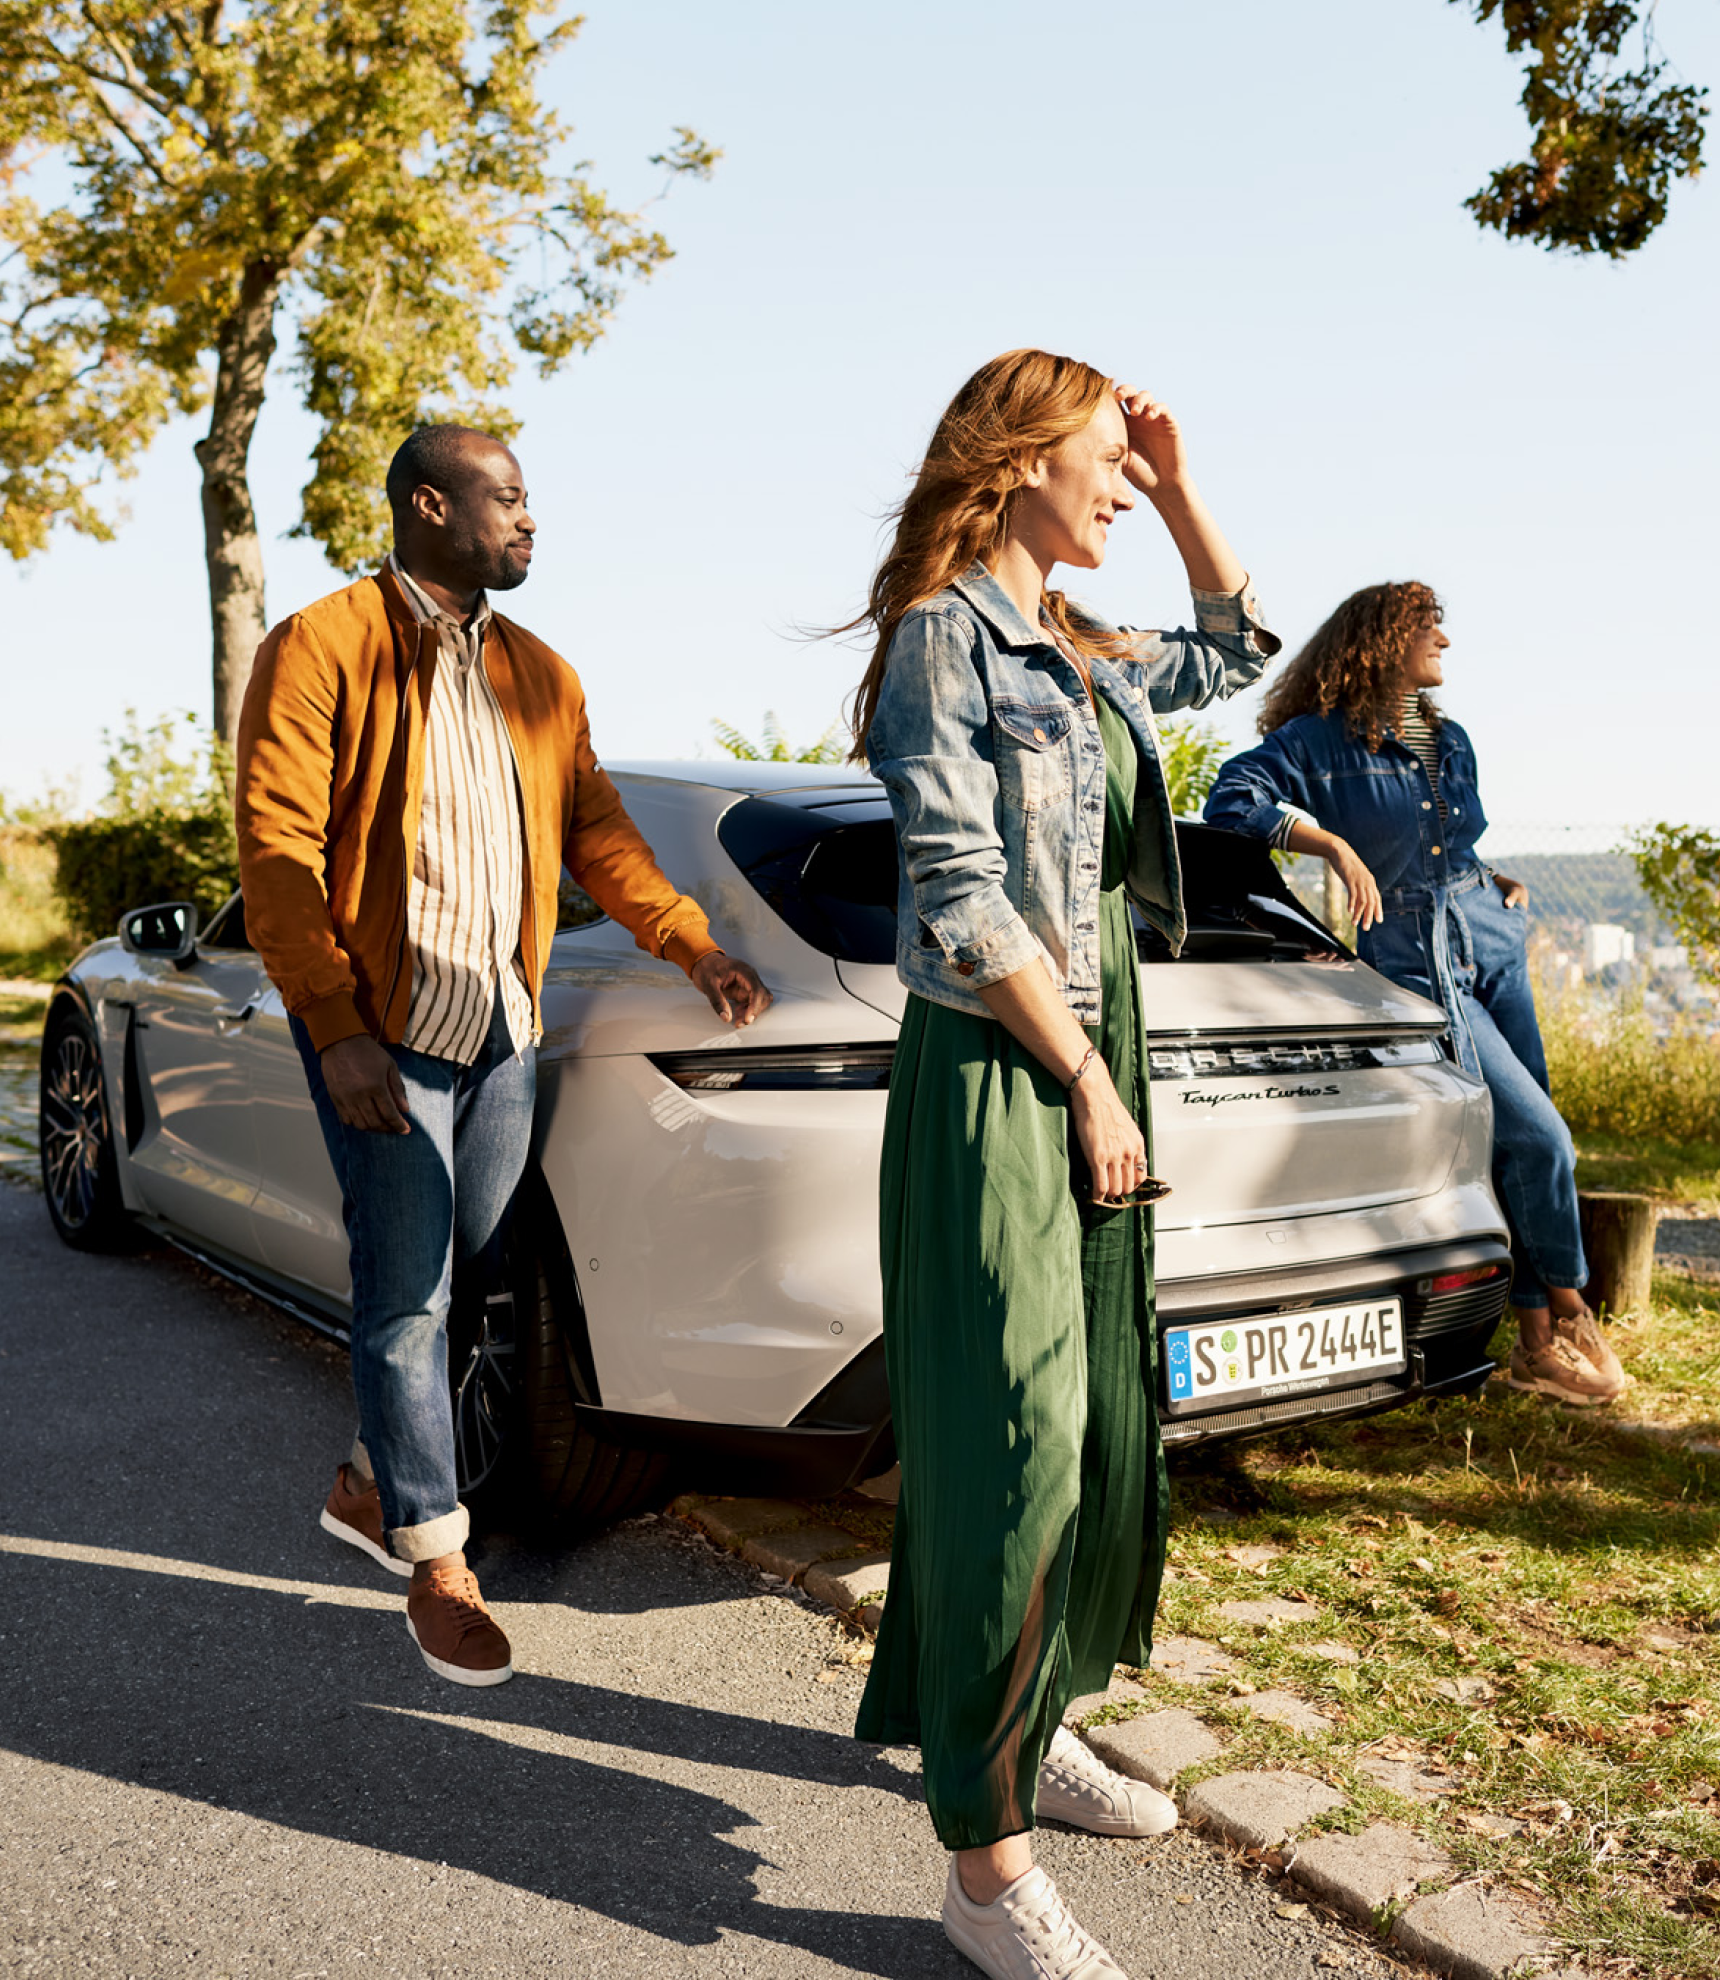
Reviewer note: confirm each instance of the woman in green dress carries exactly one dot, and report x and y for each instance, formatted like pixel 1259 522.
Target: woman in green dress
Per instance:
pixel 1014 733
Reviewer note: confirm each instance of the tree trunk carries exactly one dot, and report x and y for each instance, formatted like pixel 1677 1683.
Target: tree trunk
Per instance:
pixel 1618 1236
pixel 231 547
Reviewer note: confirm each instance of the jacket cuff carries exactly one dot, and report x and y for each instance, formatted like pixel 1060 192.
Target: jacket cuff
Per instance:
pixel 1235 612
pixel 998 953
pixel 688 944
pixel 330 1019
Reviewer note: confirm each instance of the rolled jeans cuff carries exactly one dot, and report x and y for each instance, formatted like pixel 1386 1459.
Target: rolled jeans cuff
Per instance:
pixel 433 1539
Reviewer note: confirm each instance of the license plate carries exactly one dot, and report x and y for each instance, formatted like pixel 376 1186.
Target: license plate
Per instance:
pixel 1287 1354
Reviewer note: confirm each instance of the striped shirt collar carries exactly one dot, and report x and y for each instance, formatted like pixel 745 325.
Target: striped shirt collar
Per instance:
pixel 428 613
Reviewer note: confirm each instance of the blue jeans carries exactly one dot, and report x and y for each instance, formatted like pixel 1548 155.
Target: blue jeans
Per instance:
pixel 416 1207
pixel 1463 947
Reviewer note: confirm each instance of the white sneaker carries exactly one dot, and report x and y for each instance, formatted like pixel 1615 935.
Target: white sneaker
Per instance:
pixel 1075 1786
pixel 1025 1933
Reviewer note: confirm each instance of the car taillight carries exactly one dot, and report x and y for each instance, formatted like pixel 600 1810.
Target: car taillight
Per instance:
pixel 819 1068
pixel 1451 1281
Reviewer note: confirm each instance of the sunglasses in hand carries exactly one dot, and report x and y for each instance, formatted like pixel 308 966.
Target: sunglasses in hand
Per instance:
pixel 1149 1191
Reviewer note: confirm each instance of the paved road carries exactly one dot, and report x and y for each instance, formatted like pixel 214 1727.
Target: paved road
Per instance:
pixel 219 1753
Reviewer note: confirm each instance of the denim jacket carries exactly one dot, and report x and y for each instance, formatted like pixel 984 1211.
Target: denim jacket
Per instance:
pixel 1380 801
pixel 990 750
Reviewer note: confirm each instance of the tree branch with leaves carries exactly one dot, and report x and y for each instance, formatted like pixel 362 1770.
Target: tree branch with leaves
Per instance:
pixel 1608 140
pixel 381 172
pixel 1679 867
pixel 831 747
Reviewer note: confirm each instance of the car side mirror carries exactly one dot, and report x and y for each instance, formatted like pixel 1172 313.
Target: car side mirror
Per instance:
pixel 167 931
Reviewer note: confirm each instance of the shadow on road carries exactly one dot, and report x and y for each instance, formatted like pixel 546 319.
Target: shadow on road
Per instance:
pixel 271 1706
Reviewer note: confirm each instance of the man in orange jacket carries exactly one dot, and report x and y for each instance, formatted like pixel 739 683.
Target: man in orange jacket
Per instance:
pixel 414 771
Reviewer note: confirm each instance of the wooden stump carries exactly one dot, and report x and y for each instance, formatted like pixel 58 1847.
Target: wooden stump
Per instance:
pixel 1618 1236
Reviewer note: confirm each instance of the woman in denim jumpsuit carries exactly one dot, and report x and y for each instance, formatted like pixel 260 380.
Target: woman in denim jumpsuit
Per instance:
pixel 1429 914
pixel 1015 737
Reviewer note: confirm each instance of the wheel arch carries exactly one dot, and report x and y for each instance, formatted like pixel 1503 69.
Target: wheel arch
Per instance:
pixel 539 1234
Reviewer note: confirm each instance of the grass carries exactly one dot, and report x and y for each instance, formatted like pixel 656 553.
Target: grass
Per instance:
pixel 21 1018
pixel 1674 1352
pixel 1533 1595
pixel 35 941
pixel 1672 1172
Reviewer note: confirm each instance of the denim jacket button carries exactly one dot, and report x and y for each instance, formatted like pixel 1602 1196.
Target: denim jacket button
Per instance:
pixel 1039 735
pixel 966 969
pixel 1438 849
pixel 1427 804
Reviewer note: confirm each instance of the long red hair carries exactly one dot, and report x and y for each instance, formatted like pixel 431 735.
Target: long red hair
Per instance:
pixel 1003 419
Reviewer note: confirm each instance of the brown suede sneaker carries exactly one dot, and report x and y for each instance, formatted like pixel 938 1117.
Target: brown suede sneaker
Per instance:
pixel 456 1635
pixel 354 1514
pixel 1583 1331
pixel 1560 1371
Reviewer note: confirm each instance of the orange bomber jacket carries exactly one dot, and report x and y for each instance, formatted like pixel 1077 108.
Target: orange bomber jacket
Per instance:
pixel 330 777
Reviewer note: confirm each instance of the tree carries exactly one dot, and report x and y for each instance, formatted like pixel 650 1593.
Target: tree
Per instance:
pixel 1607 142
pixel 1193 753
pixel 831 747
pixel 1679 866
pixel 379 169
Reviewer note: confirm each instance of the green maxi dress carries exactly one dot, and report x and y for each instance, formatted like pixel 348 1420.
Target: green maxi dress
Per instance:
pixel 1020 1342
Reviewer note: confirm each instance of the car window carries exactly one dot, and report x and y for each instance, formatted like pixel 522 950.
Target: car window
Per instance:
pixel 1239 908
pixel 227 930
pixel 828 870
pixel 574 907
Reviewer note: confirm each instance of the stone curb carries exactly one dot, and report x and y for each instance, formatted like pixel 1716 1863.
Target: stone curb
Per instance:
pixel 1464 1932
pixel 834 1566
pixel 1470 1934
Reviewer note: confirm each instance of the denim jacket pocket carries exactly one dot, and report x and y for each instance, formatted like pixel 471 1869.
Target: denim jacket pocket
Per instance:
pixel 1032 753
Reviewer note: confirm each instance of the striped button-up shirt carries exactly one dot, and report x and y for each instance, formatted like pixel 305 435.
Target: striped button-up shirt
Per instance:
pixel 468 874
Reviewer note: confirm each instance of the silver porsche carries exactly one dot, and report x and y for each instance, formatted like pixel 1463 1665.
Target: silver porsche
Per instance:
pixel 693 1278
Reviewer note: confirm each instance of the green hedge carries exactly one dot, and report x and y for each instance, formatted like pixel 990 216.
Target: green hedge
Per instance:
pixel 106 865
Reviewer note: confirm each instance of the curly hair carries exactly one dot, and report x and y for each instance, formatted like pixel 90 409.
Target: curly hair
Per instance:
pixel 1355 662
pixel 1009 413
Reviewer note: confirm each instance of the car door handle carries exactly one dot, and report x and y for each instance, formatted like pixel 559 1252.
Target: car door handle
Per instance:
pixel 227 1015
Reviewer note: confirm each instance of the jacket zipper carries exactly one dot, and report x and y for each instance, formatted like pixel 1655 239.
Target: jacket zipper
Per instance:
pixel 528 906
pixel 405 867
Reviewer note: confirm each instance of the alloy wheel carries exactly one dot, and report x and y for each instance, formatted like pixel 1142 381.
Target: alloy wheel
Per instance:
pixel 74 1128
pixel 484 1392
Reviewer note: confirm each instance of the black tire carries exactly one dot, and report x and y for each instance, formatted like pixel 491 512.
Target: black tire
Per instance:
pixel 577 1482
pixel 80 1170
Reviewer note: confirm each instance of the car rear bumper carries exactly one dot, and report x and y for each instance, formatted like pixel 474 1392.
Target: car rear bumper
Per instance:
pixel 844 1434
pixel 1446 1331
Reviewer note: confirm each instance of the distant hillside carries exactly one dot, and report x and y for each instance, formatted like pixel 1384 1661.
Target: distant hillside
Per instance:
pixel 1565 890
pixel 1581 887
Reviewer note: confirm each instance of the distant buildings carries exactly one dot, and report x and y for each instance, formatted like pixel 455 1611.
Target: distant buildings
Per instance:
pixel 1604 944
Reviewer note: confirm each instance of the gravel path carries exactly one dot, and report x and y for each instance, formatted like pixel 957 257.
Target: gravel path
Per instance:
pixel 1689 1244
pixel 220 1754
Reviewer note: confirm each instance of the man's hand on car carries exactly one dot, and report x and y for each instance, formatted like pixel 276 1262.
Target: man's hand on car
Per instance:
pixel 365 1086
pixel 732 989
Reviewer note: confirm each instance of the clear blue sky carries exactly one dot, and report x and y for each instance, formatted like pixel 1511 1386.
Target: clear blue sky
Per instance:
pixel 1251 207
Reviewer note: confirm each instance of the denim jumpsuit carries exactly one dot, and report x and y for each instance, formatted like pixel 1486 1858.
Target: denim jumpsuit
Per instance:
pixel 1445 932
